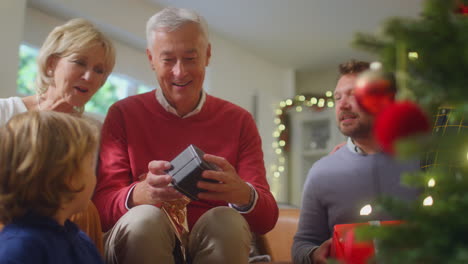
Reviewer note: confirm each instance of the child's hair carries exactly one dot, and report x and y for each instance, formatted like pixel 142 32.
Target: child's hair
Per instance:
pixel 40 153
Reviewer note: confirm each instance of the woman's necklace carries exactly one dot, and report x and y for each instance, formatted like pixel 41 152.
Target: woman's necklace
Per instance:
pixel 76 110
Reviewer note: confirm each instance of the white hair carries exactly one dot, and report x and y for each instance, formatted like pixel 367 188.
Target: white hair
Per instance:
pixel 172 18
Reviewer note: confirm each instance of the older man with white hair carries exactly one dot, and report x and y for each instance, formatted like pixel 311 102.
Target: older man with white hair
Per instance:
pixel 146 218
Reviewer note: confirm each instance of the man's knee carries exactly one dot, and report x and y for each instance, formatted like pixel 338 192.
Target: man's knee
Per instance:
pixel 223 221
pixel 146 216
pixel 215 235
pixel 143 234
pixel 145 221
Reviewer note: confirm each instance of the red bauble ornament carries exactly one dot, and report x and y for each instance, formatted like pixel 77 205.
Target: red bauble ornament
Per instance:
pixel 374 91
pixel 462 9
pixel 398 121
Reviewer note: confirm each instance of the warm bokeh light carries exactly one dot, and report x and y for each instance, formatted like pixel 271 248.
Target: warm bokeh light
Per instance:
pixel 428 201
pixel 300 103
pixel 413 55
pixel 366 210
pixel 321 102
pixel 431 182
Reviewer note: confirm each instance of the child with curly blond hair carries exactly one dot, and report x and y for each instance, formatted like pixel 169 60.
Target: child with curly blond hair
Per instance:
pixel 47 174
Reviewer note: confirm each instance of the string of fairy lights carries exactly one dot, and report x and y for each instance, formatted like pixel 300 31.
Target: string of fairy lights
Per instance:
pixel 281 133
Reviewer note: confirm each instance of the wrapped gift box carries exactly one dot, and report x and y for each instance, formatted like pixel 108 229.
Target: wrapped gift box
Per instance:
pixel 346 249
pixel 187 169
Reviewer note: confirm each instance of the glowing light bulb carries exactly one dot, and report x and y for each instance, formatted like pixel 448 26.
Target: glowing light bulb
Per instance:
pixel 413 55
pixel 321 102
pixel 277 121
pixel 276 174
pixel 328 94
pixel 431 182
pixel 313 100
pixel 376 66
pixel 330 104
pixel 428 201
pixel 281 127
pixel 299 108
pixel 276 134
pixel 282 104
pixel 366 210
pixel 282 143
pixel 301 98
pixel 278 111
pixel 280 168
pixel 289 102
pixel 278 151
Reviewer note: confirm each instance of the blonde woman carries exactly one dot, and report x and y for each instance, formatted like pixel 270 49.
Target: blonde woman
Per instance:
pixel 39 193
pixel 73 63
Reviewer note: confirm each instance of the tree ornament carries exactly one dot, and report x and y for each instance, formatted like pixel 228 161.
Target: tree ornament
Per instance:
pixel 462 9
pixel 397 121
pixel 375 90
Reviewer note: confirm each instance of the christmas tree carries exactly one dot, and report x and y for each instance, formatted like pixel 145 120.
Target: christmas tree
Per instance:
pixel 429 58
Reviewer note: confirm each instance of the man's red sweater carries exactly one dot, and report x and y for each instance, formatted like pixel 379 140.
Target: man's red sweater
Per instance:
pixel 138 130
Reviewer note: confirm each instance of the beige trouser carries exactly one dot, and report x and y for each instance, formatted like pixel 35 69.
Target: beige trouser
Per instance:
pixel 144 236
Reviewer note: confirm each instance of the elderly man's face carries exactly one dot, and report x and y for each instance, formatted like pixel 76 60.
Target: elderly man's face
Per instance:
pixel 179 59
pixel 352 121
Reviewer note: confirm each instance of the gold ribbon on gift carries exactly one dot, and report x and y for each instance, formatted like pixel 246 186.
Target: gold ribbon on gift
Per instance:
pixel 177 213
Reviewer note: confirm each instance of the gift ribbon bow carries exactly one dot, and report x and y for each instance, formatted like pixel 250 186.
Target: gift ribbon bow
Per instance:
pixel 177 212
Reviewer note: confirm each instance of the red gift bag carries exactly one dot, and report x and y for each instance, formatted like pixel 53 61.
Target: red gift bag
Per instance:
pixel 346 249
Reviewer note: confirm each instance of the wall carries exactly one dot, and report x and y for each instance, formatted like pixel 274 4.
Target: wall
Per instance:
pixel 317 82
pixel 11 28
pixel 244 79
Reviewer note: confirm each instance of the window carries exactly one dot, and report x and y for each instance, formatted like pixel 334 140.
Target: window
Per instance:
pixel 116 87
pixel 27 70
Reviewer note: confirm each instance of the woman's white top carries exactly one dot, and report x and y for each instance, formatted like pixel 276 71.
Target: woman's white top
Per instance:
pixel 10 107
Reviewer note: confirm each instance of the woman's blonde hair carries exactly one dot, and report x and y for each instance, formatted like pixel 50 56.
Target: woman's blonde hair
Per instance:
pixel 40 154
pixel 74 36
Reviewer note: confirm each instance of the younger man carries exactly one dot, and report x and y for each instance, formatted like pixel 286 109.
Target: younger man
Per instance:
pixel 342 183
